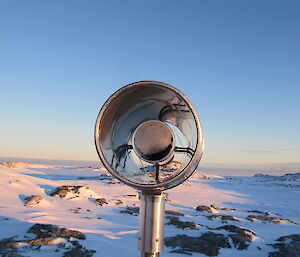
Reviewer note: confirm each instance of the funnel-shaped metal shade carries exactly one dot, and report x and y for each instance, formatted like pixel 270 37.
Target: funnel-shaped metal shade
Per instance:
pixel 149 136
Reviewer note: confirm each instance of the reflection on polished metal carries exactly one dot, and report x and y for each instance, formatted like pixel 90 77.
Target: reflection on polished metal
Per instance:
pixel 152 213
pixel 149 254
pixel 153 141
pixel 149 136
pixel 125 111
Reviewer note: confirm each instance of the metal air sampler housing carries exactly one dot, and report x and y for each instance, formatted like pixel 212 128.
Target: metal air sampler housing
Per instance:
pixel 149 136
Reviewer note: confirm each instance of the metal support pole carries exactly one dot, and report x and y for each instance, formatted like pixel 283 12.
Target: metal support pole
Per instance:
pixel 152 214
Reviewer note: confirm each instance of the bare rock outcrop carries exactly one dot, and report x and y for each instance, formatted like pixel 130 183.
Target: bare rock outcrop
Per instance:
pixel 78 251
pixel 222 217
pixel 46 234
pixel 47 230
pixel 32 200
pixel 241 237
pixel 204 208
pixel 133 210
pixel 208 243
pixel 72 191
pixel 268 218
pixel 101 201
pixel 287 246
pixel 186 225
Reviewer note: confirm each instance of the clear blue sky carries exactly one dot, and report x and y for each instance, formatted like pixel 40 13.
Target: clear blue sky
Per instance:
pixel 238 62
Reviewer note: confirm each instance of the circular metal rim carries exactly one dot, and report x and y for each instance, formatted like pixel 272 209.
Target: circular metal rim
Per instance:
pixel 190 167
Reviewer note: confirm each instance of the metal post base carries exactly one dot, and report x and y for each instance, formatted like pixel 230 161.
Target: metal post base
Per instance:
pixel 149 254
pixel 152 214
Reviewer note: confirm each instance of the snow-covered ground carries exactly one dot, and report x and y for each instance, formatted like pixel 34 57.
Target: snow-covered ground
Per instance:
pixel 267 205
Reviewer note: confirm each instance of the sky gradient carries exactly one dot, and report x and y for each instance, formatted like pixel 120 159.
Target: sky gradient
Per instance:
pixel 237 61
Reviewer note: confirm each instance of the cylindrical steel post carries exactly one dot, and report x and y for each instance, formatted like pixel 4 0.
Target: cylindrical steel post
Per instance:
pixel 152 214
pixel 143 254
